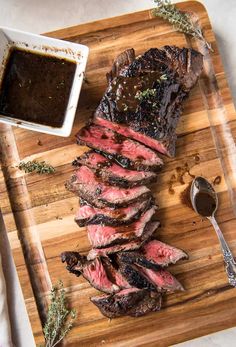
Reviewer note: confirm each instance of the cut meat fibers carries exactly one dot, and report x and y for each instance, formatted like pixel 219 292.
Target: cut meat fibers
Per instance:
pixel 163 147
pixel 113 174
pixel 128 302
pixel 130 246
pixel 93 271
pixel 85 184
pixel 160 253
pixel 88 214
pixel 103 236
pixel 161 279
pixel 128 153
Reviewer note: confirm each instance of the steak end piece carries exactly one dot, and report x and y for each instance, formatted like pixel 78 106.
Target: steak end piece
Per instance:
pixel 129 302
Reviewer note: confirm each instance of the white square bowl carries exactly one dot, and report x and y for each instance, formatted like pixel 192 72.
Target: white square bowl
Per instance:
pixel 58 48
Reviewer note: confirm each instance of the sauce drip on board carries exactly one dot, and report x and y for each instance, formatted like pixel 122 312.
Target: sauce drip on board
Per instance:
pixel 36 87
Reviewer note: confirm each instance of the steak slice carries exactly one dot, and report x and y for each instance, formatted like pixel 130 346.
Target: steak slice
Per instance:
pixel 127 153
pixel 136 257
pixel 130 302
pixel 132 245
pixel 114 274
pixel 101 236
pixel 114 174
pixel 163 78
pixel 88 214
pixel 85 184
pixel 157 252
pixel 93 271
pixel 161 279
pixel 135 277
pixel 151 302
pixel 104 252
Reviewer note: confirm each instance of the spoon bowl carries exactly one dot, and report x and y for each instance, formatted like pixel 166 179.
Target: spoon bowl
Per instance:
pixel 203 197
pixel 205 202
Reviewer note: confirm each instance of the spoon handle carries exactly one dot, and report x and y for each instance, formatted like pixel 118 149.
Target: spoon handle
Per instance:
pixel 230 264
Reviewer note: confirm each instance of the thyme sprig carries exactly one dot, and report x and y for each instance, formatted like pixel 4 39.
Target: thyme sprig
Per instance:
pixel 40 167
pixel 59 318
pixel 180 20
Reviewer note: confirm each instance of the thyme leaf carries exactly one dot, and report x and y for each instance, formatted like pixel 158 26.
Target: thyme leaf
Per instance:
pixel 180 20
pixel 146 94
pixel 35 166
pixel 59 317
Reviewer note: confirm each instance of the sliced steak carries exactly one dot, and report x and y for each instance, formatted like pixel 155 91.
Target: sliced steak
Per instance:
pixel 127 153
pixel 101 236
pixel 131 302
pixel 132 245
pixel 136 257
pixel 85 184
pixel 118 305
pixel 151 302
pixel 135 277
pixel 161 279
pixel 104 252
pixel 114 274
pixel 160 253
pixel 93 271
pixel 88 214
pixel 114 174
pixel 144 101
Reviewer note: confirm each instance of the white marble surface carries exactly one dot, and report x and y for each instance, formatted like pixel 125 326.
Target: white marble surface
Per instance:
pixel 45 15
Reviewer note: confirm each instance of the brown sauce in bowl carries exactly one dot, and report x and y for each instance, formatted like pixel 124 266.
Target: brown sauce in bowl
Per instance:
pixel 36 87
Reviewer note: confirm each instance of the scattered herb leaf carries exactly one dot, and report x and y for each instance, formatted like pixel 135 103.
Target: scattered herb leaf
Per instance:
pixel 145 94
pixel 180 20
pixel 59 317
pixel 36 166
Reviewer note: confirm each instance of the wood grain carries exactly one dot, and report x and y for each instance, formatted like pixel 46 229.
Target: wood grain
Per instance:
pixel 39 212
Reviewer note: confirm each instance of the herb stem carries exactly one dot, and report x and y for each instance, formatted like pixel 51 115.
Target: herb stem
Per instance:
pixel 180 20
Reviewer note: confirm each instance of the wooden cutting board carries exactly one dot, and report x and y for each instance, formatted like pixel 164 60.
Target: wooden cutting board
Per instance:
pixel 39 212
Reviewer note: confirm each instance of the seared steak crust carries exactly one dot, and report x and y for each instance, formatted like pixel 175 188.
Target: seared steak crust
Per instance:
pixel 131 302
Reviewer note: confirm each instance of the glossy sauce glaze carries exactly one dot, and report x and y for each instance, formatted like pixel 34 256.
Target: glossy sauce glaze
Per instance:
pixel 205 204
pixel 36 87
pixel 127 92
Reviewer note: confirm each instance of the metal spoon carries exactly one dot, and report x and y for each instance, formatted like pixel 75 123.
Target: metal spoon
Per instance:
pixel 205 202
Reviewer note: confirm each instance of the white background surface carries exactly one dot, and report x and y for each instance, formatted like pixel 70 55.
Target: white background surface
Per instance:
pixel 45 15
